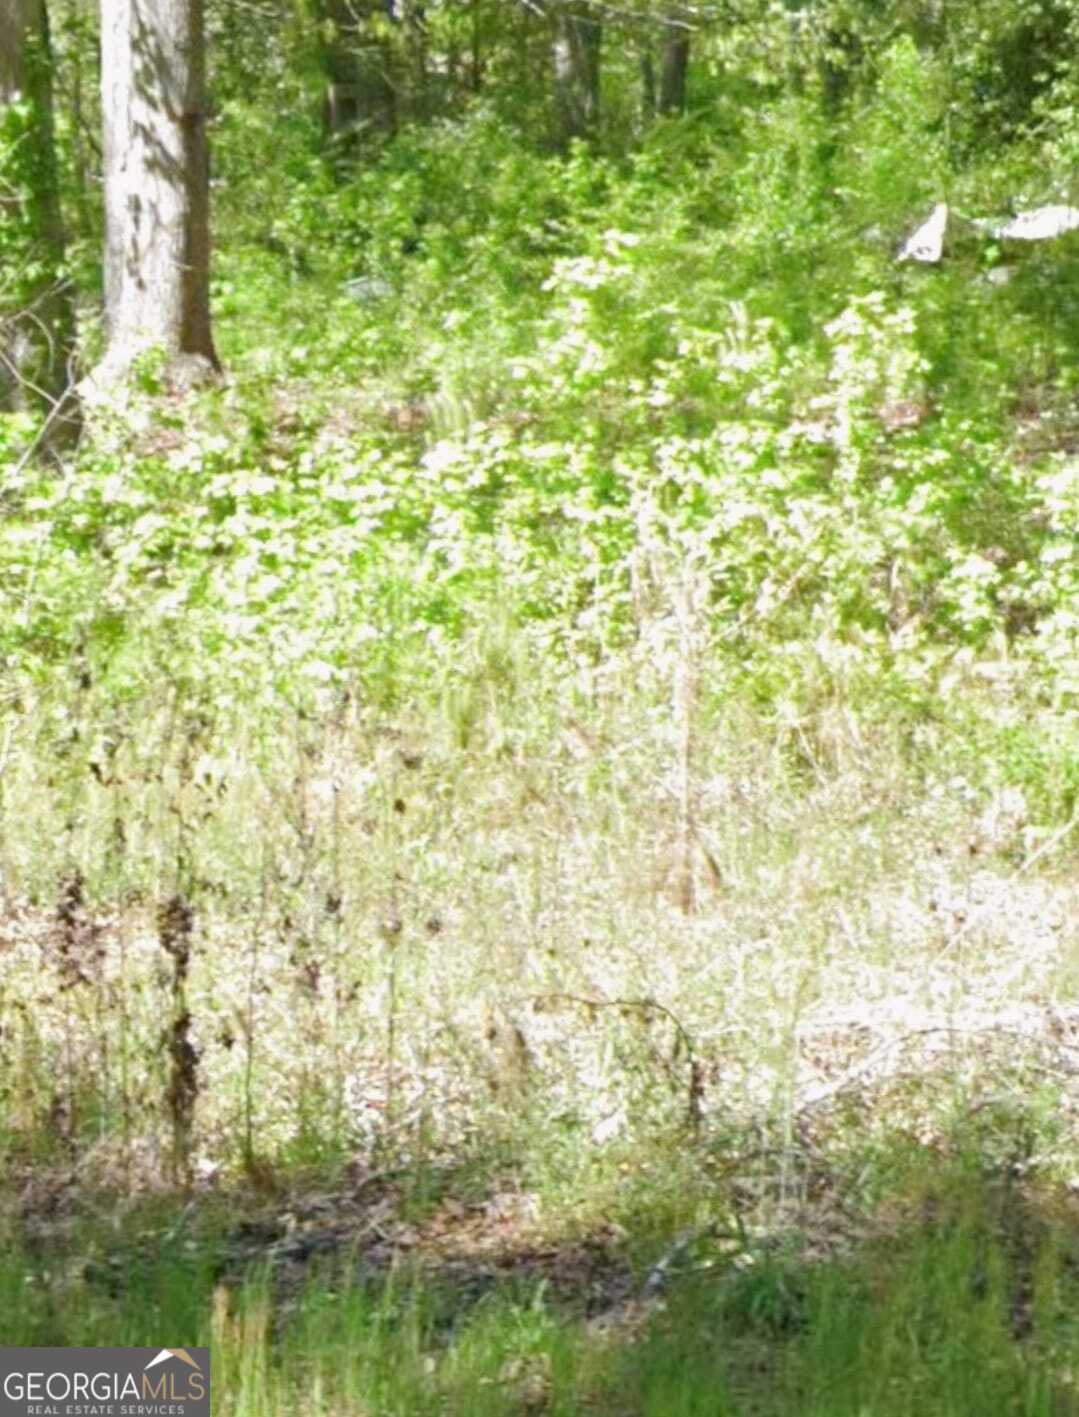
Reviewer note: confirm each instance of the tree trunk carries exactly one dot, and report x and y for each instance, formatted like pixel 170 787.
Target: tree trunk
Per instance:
pixel 360 99
pixel 840 57
pixel 412 15
pixel 648 83
pixel 156 160
pixel 476 48
pixel 36 324
pixel 576 49
pixel 672 74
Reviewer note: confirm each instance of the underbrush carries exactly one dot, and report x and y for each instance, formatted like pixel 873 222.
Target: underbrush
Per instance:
pixel 569 754
pixel 550 906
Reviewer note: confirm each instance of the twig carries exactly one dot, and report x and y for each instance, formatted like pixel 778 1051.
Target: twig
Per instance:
pixel 644 1004
pixel 1047 846
pixel 695 1086
pixel 59 404
pixel 656 1278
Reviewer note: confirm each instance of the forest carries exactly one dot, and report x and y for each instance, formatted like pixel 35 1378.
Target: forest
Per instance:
pixel 539 702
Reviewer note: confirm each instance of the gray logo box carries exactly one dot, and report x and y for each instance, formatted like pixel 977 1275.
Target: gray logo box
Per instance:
pixel 104 1382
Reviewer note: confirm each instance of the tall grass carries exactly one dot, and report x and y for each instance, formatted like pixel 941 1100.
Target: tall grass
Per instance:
pixel 957 1296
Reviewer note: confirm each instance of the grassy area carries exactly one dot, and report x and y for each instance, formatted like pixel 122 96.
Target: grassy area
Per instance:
pixel 510 913
pixel 538 820
pixel 562 1043
pixel 954 1293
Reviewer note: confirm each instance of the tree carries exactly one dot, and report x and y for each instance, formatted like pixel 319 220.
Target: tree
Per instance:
pixel 156 170
pixel 576 47
pixel 357 66
pixel 669 95
pixel 35 308
pixel 673 66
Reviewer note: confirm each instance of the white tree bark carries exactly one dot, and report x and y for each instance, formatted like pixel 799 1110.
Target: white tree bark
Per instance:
pixel 157 242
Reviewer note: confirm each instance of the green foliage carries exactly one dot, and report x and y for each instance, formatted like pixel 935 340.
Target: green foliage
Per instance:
pixel 899 145
pixel 19 166
pixel 707 554
pixel 33 333
pixel 600 377
pixel 1008 59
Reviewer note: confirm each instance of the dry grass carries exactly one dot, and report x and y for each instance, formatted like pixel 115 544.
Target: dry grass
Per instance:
pixel 524 910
